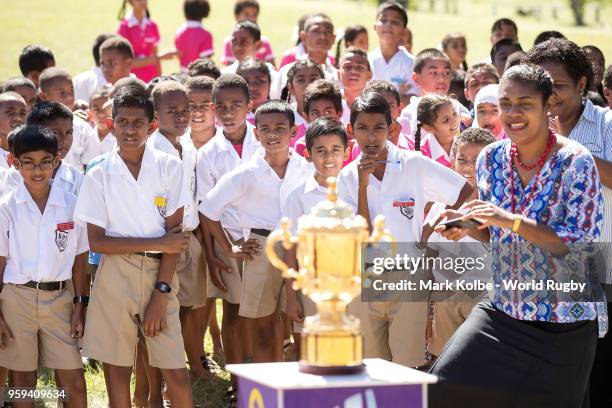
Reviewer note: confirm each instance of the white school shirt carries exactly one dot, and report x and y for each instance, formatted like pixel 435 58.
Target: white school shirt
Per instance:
pixel 403 192
pixel 39 247
pixel 4 159
pixel 85 144
pixel 86 83
pixel 256 191
pixel 112 199
pixel 3 176
pixel 67 178
pixel 594 131
pixel 189 153
pixel 302 199
pixel 107 144
pixel 217 158
pixel 398 70
pixel 346 113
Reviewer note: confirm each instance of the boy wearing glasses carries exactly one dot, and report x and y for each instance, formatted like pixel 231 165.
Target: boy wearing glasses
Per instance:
pixel 57 118
pixel 40 321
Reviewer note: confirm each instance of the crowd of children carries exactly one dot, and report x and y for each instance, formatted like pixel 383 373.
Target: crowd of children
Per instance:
pixel 154 194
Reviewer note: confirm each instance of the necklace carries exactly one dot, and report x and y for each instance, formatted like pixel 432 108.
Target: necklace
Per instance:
pixel 539 164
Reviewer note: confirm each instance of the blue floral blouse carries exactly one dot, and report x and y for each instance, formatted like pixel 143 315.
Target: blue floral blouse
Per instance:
pixel 568 199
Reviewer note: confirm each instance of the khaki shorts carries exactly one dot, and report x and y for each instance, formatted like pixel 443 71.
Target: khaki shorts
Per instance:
pixel 395 331
pixel 40 322
pixel 232 278
pixel 119 298
pixel 191 271
pixel 448 316
pixel 262 286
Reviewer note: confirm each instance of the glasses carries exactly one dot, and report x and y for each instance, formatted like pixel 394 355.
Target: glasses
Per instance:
pixel 46 165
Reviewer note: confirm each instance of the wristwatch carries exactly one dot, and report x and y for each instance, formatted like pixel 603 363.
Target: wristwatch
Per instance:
pixel 81 299
pixel 163 287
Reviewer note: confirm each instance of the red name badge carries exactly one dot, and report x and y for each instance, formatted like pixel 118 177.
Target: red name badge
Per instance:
pixel 409 203
pixel 65 226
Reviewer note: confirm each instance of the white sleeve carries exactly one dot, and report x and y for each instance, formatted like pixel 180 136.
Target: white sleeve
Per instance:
pixel 226 192
pixel 82 241
pixel 205 180
pixel 91 145
pixel 347 191
pixel 439 182
pixel 176 196
pixel 293 209
pixel 5 225
pixel 91 204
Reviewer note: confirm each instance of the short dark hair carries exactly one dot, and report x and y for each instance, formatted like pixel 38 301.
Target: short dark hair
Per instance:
pixel 607 79
pixel 504 42
pixel 485 67
pixel 275 106
pixel 130 97
pixel 547 35
pixel 250 27
pixel 426 55
pixel 382 87
pixel 165 88
pixel 196 10
pixel 203 83
pixel 50 75
pixel 474 136
pixel 371 102
pixel 567 54
pixel 231 81
pixel 310 20
pixel 596 99
pixel 325 126
pixel 322 89
pixel 357 52
pixel 299 64
pixel 119 44
pixel 497 25
pixel 532 75
pixel 95 49
pixel 159 79
pixel 35 58
pixel 43 113
pixel 17 82
pixel 244 4
pixel 137 85
pixel 11 96
pixel 205 67
pixel 514 59
pixel 393 5
pixel 32 138
pixel 101 92
pixel 254 64
pixel 593 48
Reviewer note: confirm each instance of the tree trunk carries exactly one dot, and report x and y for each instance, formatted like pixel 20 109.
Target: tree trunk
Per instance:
pixel 578 10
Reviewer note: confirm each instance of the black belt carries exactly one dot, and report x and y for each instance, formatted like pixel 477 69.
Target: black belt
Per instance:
pixel 152 255
pixel 262 232
pixel 47 286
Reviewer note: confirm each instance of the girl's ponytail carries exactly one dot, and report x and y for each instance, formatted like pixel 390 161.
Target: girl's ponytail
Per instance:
pixel 417 138
pixel 284 96
pixel 338 49
pixel 121 14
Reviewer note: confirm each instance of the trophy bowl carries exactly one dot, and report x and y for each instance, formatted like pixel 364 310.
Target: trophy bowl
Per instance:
pixel 329 242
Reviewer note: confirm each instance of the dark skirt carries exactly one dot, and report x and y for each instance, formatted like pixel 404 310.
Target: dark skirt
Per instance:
pixel 494 360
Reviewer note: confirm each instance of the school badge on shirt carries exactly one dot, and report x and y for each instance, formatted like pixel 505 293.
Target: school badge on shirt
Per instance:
pixel 160 202
pixel 61 235
pixel 406 207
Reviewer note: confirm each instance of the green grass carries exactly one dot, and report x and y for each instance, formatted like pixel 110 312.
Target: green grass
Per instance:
pixel 68 27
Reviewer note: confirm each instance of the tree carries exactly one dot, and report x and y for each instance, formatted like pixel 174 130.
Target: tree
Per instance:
pixel 578 10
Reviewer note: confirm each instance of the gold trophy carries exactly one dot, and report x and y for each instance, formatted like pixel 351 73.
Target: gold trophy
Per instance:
pixel 329 241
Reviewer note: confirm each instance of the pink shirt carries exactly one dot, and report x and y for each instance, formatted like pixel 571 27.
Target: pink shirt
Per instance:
pixel 144 37
pixel 264 52
pixel 194 42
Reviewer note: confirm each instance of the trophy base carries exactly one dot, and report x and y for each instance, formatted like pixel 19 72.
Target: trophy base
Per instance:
pixel 331 370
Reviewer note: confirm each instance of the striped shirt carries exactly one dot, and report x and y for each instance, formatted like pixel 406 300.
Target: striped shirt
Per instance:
pixel 594 131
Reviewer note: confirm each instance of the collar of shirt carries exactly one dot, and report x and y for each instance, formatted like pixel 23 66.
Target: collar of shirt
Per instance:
pixel 249 142
pixel 116 165
pixel 312 184
pixel 132 21
pixel 588 113
pixel 394 160
pixel 261 165
pixel 193 24
pixel 56 197
pixel 65 172
pixel 161 142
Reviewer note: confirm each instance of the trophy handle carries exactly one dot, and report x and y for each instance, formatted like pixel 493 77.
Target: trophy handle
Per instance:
pixel 380 233
pixel 284 236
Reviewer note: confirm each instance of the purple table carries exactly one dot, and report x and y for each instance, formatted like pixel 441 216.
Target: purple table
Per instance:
pixel 281 385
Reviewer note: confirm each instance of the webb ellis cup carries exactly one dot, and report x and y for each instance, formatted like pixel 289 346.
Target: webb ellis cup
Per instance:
pixel 329 242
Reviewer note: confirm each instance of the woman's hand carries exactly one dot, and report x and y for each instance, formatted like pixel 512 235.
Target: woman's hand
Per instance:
pixel 489 214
